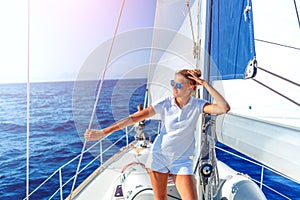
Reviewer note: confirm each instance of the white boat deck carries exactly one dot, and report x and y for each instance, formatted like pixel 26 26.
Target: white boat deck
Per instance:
pixel 102 184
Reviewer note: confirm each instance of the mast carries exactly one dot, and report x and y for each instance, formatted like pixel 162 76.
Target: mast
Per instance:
pixel 207 44
pixel 205 169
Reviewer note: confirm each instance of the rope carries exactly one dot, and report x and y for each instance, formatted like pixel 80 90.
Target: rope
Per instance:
pixel 98 95
pixel 145 189
pixel 196 48
pixel 190 17
pixel 131 164
pixel 28 102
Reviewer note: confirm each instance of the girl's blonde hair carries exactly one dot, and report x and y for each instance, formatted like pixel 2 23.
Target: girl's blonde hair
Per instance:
pixel 185 74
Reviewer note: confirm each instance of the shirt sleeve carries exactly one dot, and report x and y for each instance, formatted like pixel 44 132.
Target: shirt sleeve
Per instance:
pixel 202 103
pixel 158 105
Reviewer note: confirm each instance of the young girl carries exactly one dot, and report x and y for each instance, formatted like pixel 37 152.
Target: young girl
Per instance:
pixel 173 148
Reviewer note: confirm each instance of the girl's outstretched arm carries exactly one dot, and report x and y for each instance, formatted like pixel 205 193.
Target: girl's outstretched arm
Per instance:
pixel 92 134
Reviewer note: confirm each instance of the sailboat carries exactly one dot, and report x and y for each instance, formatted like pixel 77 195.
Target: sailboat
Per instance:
pixel 256 72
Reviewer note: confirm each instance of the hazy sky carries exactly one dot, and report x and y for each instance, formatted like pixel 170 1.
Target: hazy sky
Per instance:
pixel 63 33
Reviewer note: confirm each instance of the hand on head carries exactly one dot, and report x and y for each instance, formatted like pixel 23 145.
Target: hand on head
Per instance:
pixel 194 76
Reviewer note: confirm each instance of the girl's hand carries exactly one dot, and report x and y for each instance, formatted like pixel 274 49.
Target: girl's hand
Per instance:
pixel 94 134
pixel 195 78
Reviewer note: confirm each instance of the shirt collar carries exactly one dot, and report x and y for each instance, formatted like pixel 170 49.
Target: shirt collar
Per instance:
pixel 174 103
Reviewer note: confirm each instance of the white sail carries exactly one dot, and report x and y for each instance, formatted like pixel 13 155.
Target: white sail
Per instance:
pixel 264 124
pixel 173 45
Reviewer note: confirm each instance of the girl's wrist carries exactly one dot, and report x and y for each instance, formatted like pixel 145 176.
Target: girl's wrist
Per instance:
pixel 204 83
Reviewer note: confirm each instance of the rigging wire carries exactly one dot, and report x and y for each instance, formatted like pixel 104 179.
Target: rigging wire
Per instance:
pixel 273 90
pixel 98 95
pixel 297 12
pixel 282 45
pixel 198 30
pixel 278 76
pixel 28 101
pixel 151 54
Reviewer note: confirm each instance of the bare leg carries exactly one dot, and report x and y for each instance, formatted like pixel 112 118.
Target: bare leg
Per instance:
pixel 186 186
pixel 159 183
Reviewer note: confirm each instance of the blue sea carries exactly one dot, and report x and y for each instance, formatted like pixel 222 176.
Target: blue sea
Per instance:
pixel 59 114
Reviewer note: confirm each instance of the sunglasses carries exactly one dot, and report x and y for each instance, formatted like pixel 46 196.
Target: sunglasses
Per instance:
pixel 178 85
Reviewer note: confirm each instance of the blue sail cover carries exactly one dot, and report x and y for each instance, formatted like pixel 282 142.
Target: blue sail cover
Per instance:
pixel 232 39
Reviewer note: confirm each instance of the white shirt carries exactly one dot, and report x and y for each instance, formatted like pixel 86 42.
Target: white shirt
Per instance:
pixel 176 139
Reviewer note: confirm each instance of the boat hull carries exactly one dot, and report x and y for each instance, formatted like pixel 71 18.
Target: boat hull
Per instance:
pixel 273 144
